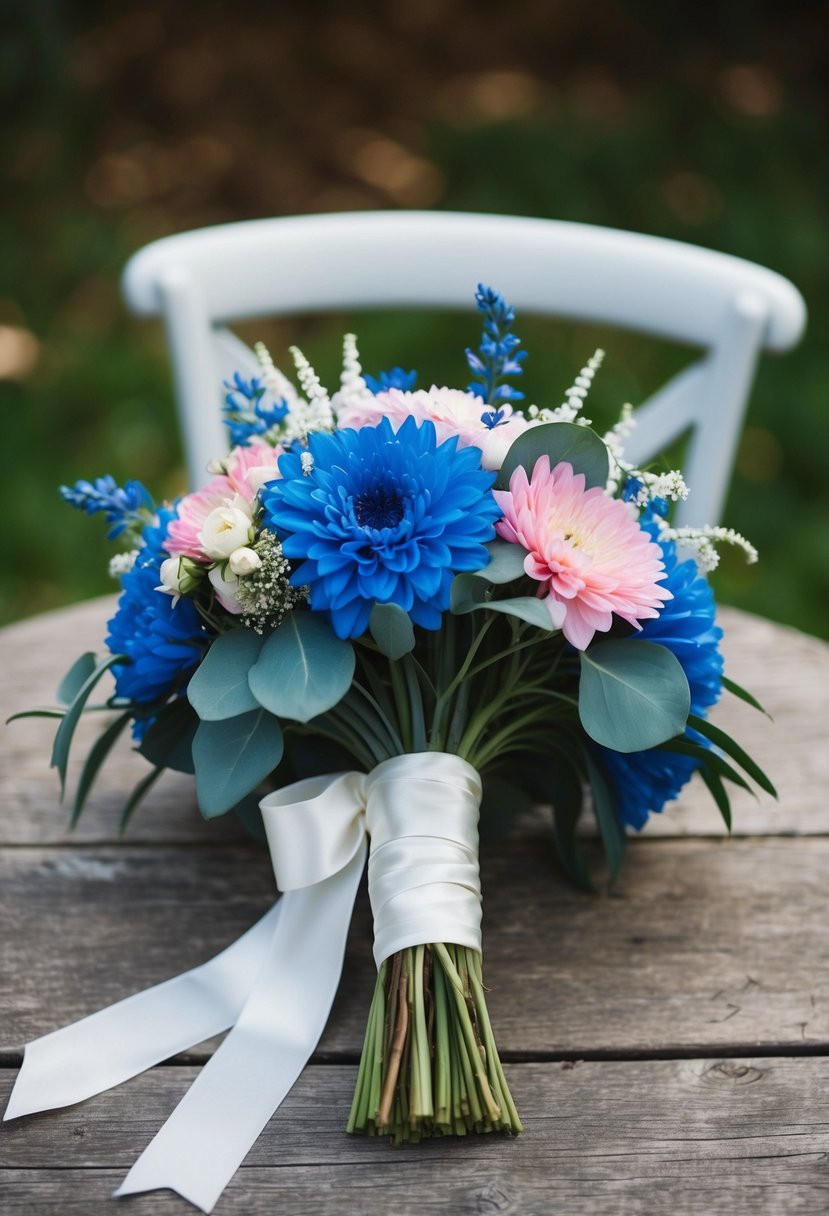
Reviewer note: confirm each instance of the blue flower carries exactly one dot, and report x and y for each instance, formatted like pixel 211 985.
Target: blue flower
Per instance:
pixel 382 518
pixel 164 642
pixel 498 355
pixel 646 781
pixel 246 413
pixel 123 507
pixel 395 377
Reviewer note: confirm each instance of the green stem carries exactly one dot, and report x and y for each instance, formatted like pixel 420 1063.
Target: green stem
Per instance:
pixel 401 700
pixel 419 741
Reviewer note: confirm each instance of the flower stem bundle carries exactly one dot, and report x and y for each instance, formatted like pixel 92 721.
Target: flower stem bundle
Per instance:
pixel 429 1065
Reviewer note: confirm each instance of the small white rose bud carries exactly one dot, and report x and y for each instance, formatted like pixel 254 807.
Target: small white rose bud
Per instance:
pixel 225 529
pixel 244 561
pixel 169 571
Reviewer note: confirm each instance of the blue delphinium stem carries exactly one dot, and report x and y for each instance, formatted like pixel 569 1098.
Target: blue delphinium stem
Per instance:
pixel 247 415
pixel 395 377
pixel 498 356
pixel 126 508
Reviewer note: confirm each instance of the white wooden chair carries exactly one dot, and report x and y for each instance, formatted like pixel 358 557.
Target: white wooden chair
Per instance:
pixel 202 281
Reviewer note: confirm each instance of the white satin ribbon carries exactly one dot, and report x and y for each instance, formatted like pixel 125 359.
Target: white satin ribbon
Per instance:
pixel 276 984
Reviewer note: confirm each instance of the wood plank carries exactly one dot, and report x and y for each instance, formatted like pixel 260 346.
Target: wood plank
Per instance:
pixel 694 1137
pixel 702 946
pixel 787 670
pixel 34 655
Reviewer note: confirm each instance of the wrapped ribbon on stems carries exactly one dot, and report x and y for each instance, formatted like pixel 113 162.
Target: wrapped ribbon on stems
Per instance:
pixel 429 1064
pixel 275 986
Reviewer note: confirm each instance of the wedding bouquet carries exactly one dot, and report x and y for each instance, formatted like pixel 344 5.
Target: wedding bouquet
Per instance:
pixel 444 600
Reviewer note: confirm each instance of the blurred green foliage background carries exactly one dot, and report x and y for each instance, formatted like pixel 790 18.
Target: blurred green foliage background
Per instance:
pixel 129 121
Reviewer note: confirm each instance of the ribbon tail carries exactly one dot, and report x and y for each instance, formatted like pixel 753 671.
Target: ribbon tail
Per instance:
pixel 211 1131
pixel 126 1038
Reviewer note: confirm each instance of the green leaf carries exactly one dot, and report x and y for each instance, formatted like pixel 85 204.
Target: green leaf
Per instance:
pixel 566 795
pixel 232 757
pixel 76 677
pixel 506 562
pixel 143 788
pixel 63 736
pixel 632 695
pixel 97 754
pixel 168 743
pixel 611 831
pixel 470 592
pixel 392 630
pixel 737 691
pixel 37 713
pixel 717 791
pixel 303 670
pixel 248 813
pixel 720 739
pixel 578 445
pixel 708 759
pixel 502 802
pixel 219 686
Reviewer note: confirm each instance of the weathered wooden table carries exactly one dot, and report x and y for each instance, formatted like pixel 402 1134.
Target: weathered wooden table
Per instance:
pixel 667 1044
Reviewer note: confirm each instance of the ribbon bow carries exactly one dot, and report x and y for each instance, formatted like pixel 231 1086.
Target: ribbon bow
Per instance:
pixel 275 986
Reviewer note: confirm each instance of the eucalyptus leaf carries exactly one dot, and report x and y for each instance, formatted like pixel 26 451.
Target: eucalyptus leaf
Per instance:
pixel 633 695
pixel 303 669
pixel 392 630
pixel 232 757
pixel 219 686
pixel 506 562
pixel 580 446
pixel 470 592
pixel 76 677
pixel 168 742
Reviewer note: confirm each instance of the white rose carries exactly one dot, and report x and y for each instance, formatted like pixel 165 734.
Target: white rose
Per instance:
pixel 225 529
pixel 225 589
pixel 244 561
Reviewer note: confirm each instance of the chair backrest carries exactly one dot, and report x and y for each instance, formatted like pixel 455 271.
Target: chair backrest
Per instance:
pixel 203 280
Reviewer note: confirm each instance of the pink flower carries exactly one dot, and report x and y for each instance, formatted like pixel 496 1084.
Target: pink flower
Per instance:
pixel 453 412
pixel 248 468
pixel 587 551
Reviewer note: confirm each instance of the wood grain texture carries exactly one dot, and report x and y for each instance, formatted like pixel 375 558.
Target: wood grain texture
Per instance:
pixel 714 947
pixel 702 945
pixel 692 1137
pixel 786 670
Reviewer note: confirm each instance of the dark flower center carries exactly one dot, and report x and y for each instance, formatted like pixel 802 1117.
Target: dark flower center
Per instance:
pixel 378 509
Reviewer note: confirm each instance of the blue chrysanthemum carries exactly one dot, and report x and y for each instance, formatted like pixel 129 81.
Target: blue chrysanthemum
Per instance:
pixel 646 781
pixel 164 642
pixel 382 518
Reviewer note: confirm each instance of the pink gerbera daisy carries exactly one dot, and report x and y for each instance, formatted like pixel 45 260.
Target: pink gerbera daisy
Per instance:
pixel 453 411
pixel 248 469
pixel 587 550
